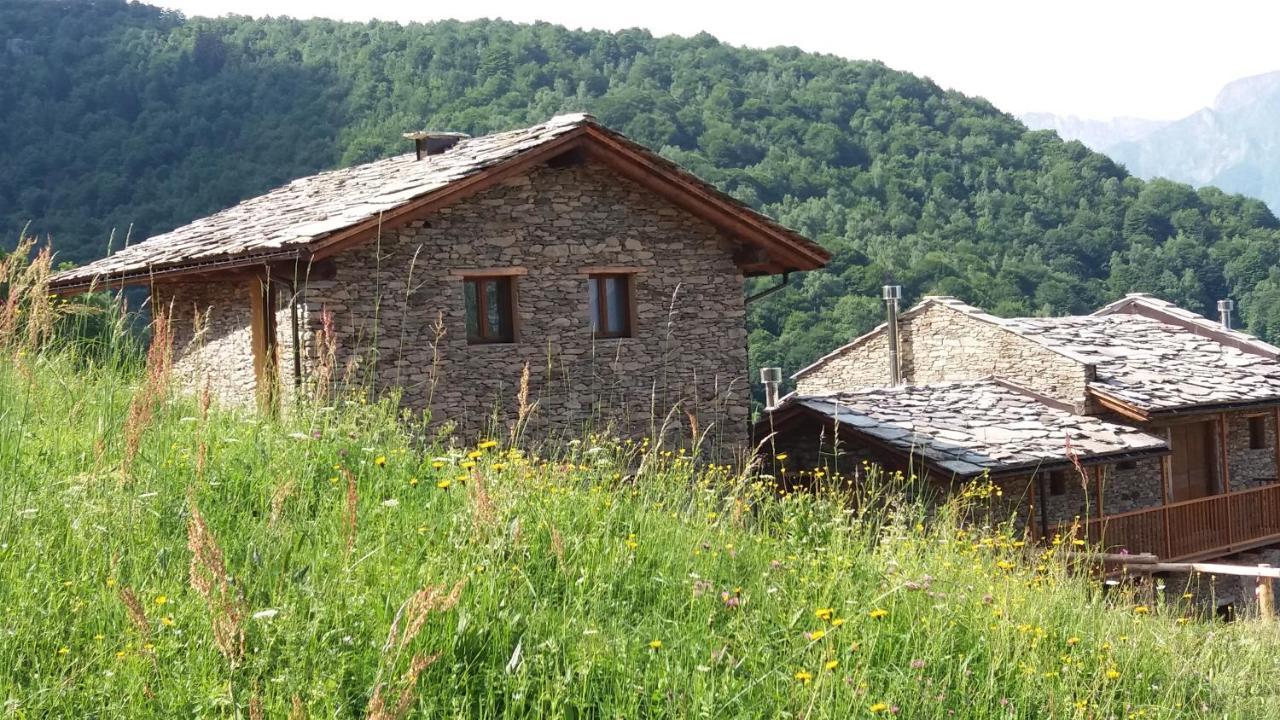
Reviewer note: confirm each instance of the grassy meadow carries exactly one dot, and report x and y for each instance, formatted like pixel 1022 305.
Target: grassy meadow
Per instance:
pixel 163 557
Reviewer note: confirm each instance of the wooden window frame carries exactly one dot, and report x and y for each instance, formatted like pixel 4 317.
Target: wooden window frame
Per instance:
pixel 598 281
pixel 475 284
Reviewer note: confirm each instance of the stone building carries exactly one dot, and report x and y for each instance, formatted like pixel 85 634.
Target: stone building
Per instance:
pixel 612 277
pixel 1152 426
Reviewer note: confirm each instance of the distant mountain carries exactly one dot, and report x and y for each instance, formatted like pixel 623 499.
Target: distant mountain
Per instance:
pixel 1097 134
pixel 1234 144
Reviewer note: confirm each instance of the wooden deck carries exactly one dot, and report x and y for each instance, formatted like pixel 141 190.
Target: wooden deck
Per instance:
pixel 1202 528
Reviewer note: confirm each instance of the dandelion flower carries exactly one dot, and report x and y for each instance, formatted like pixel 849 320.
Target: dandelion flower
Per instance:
pixel 167 620
pixel 804 676
pixel 380 461
pixel 831 664
pixel 879 707
pixel 64 650
pixel 1073 640
pixel 655 644
pixel 444 484
pixel 1112 673
pixel 413 482
pixel 817 634
pixel 878 613
pixel 837 622
pixel 1141 610
pixel 824 613
pixel 487 444
pixel 780 456
pixel 161 599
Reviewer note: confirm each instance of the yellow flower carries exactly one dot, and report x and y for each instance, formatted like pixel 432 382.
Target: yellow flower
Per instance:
pixel 467 465
pixel 161 599
pixel 1073 640
pixel 817 634
pixel 166 620
pixel 879 707
pixel 444 484
pixel 413 482
pixel 64 650
pixel 831 664
pixel 437 465
pixel 655 644
pixel 878 613
pixel 475 454
pixel 837 622
pixel 1112 673
pixel 780 456
pixel 1141 610
pixel 380 461
pixel 804 676
pixel 487 444
pixel 824 613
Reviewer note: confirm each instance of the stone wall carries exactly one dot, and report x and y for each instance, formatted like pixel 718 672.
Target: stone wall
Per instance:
pixel 222 353
pixel 941 344
pixel 1250 468
pixel 687 356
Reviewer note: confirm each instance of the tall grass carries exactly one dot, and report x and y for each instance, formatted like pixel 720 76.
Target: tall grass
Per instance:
pixel 189 561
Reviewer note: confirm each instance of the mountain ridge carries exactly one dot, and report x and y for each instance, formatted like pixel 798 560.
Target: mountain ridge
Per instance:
pixel 116 115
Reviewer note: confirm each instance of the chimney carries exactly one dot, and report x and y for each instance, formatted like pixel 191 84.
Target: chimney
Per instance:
pixel 1224 312
pixel 430 142
pixel 892 294
pixel 771 377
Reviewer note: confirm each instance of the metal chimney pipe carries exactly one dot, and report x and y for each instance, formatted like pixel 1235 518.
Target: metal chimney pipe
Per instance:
pixel 892 294
pixel 1224 312
pixel 771 377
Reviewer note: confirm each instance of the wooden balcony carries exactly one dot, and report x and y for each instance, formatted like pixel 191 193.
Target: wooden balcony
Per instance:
pixel 1201 528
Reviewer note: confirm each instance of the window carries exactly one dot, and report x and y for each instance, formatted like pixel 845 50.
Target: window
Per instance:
pixel 490 309
pixel 1258 432
pixel 1057 482
pixel 609 300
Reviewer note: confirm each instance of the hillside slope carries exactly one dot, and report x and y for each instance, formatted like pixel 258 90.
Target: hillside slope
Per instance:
pixel 115 115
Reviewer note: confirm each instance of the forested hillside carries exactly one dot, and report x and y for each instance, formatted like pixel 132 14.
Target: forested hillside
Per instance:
pixel 114 115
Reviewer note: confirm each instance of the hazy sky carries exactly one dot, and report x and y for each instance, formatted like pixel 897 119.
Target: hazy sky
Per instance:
pixel 1092 58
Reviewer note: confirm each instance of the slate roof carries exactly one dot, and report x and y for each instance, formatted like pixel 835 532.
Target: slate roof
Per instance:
pixel 1165 311
pixel 1155 366
pixel 287 220
pixel 967 428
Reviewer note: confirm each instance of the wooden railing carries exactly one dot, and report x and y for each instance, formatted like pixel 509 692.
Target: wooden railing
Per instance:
pixel 1192 528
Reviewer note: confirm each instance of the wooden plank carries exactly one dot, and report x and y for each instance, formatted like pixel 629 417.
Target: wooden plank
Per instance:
pixel 1226 473
pixel 1275 441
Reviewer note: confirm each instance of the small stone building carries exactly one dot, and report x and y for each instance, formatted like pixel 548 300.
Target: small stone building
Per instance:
pixel 609 275
pixel 1151 426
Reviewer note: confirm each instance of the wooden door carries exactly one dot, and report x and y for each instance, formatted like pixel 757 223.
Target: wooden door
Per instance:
pixel 262 309
pixel 1193 464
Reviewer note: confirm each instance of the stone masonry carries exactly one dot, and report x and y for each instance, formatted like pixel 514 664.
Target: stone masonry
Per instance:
pixel 221 354
pixel 687 357
pixel 941 344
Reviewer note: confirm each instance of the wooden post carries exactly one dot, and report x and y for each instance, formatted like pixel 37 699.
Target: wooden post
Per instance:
pixel 1275 441
pixel 1166 476
pixel 1266 597
pixel 1225 473
pixel 1097 488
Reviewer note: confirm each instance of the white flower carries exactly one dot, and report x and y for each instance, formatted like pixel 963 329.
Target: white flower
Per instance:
pixel 265 614
pixel 391 503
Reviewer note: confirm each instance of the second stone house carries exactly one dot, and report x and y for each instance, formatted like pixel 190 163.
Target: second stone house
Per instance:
pixel 1150 425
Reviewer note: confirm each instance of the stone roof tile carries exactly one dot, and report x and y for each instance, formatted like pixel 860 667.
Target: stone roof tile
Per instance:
pixel 971 427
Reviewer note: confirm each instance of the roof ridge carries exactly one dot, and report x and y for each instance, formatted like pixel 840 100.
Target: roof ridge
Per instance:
pixel 1179 316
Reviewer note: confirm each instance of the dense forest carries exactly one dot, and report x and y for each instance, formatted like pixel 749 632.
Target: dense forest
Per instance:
pixel 127 118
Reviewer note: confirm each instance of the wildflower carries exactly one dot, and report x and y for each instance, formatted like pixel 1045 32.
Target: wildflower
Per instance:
pixel 1073 640
pixel 731 600
pixel 879 707
pixel 824 613
pixel 1141 610
pixel 878 613
pixel 780 456
pixel 655 644
pixel 816 634
pixel 485 445
pixel 837 622
pixel 380 461
pixel 1112 673
pixel 831 664
pixel 917 664
pixel 413 482
pixel 804 676
pixel 437 464
pixel 467 465
pixel 167 620
pixel 64 650
pixel 444 484
pixel 161 599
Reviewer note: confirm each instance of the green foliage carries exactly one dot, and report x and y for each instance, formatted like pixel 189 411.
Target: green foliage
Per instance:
pixel 119 116
pixel 608 580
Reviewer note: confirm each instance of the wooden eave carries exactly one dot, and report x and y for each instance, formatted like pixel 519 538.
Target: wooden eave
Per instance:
pixel 1133 413
pixel 783 250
